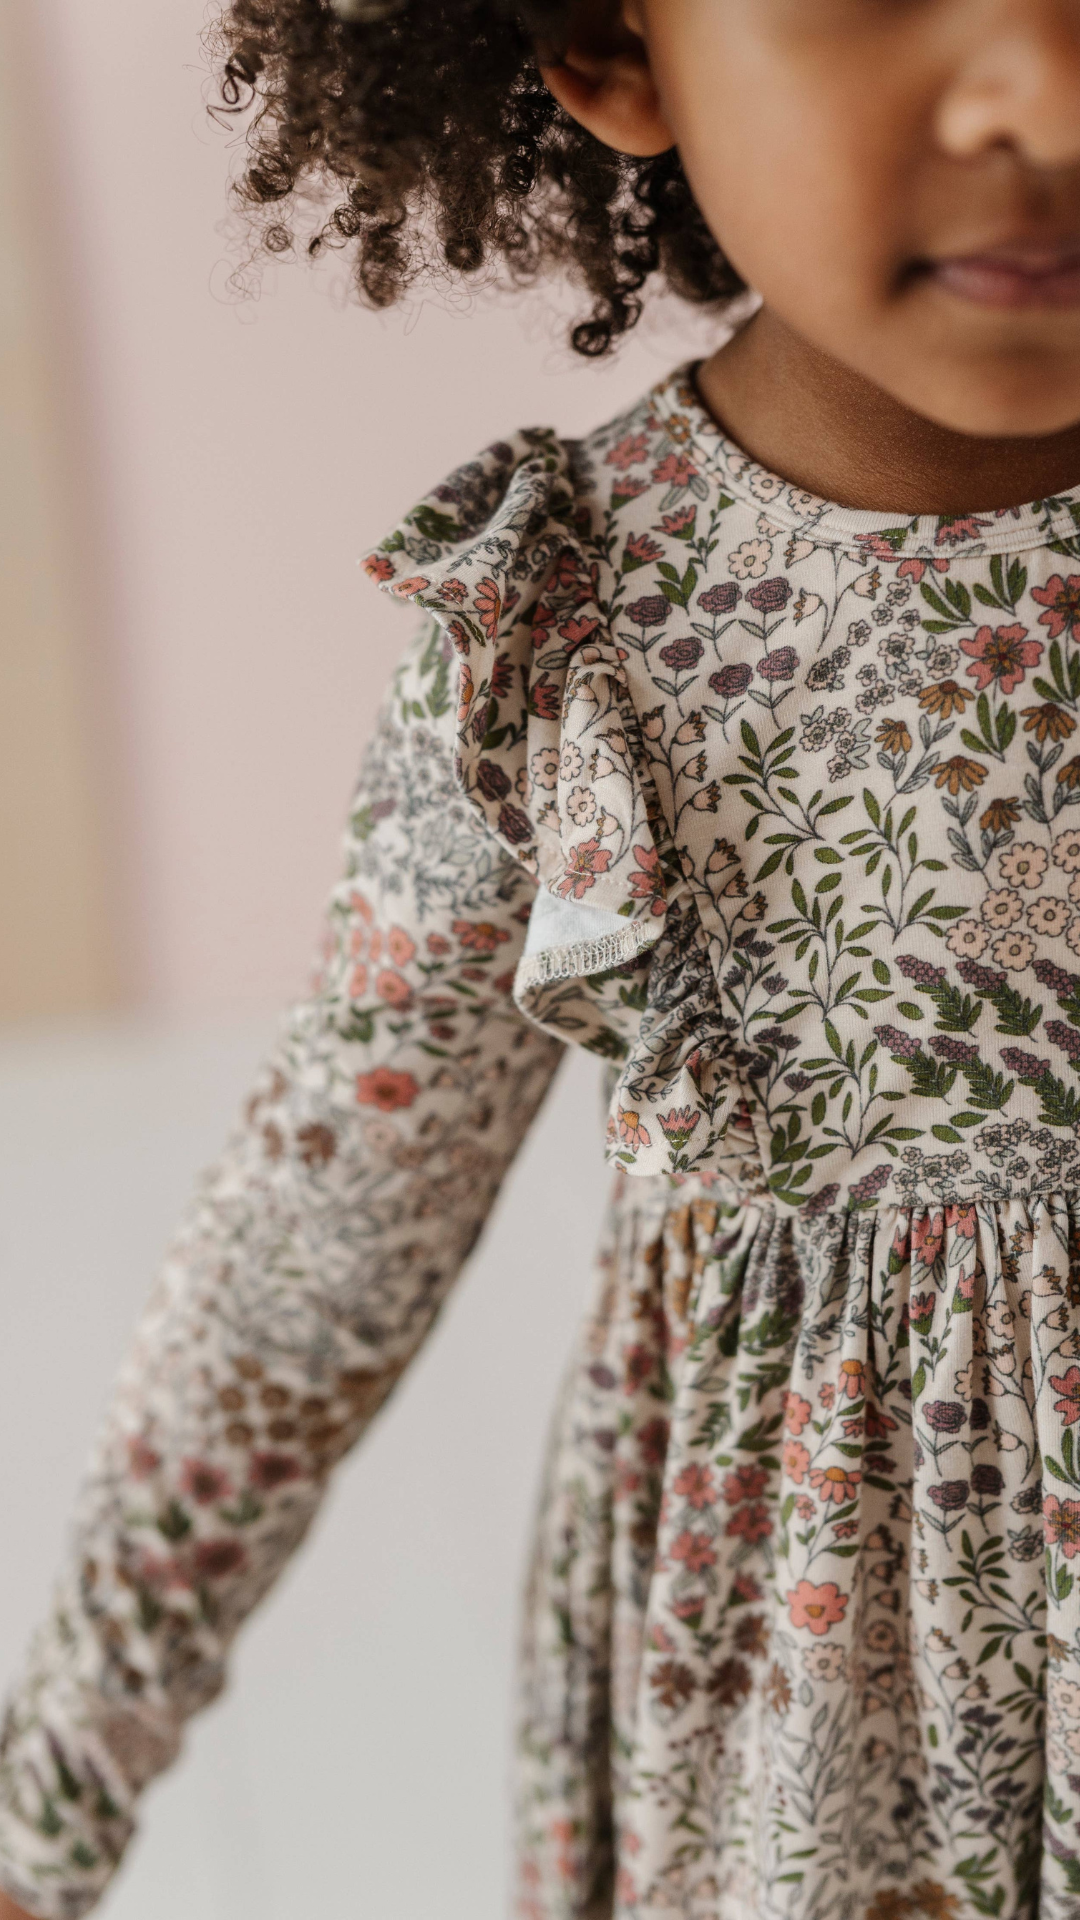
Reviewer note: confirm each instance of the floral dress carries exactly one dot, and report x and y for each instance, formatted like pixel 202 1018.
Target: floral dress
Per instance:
pixel 774 807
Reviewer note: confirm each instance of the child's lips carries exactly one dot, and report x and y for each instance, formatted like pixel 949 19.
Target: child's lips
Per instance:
pixel 1013 276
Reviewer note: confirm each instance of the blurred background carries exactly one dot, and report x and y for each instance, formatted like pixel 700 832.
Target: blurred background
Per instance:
pixel 190 664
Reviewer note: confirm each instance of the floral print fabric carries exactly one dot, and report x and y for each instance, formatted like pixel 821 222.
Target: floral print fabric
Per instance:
pixel 772 805
pixel 822 773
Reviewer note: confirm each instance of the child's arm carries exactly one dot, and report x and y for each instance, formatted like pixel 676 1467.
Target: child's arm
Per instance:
pixel 301 1284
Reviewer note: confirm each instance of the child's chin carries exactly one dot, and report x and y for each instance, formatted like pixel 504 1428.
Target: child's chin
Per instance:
pixel 1000 397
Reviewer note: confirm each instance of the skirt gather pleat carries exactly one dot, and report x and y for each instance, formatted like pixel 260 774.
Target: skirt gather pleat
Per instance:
pixel 802 1635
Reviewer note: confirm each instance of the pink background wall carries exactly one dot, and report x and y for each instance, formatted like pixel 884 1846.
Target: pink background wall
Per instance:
pixel 229 461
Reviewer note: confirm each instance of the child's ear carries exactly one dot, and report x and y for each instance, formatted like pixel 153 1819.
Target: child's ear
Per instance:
pixel 605 82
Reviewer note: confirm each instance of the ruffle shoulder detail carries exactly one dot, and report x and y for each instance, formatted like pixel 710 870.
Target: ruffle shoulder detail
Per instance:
pixel 548 745
pixel 549 750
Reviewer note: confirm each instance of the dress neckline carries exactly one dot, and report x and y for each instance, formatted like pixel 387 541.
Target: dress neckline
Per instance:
pixel 878 535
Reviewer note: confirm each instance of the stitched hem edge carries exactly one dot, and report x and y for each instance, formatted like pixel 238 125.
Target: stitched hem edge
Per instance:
pixel 588 956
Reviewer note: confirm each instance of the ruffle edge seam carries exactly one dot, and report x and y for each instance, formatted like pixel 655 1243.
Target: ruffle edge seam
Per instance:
pixel 587 957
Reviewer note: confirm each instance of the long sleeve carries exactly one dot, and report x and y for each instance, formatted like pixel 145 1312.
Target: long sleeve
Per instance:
pixel 302 1281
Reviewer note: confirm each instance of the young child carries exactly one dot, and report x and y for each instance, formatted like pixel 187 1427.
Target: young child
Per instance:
pixel 740 745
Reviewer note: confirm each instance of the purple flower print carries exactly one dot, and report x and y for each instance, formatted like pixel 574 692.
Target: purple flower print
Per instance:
pixel 681 655
pixel 1056 978
pixel 870 1185
pixel 960 1052
pixel 492 780
pixel 945 1416
pixel 1067 1038
pixel 720 599
pixel 902 1045
pixel 923 974
pixel 987 1479
pixel 780 665
pixel 822 1200
pixel 1027 1065
pixel 983 979
pixel 770 596
pixel 650 611
pixel 951 1496
pixel 731 681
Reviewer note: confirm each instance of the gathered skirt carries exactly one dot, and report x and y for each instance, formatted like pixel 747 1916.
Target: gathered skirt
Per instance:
pixel 801 1633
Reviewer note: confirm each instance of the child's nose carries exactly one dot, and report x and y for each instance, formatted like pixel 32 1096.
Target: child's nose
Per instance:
pixel 1018 84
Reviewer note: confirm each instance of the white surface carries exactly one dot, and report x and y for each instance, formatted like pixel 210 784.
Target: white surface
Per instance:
pixel 358 1765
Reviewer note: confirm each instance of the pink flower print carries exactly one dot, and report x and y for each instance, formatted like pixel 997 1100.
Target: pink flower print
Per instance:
pixel 203 1482
pixel 876 547
pixel 386 1089
pixel 744 1483
pixel 682 654
pixel 680 525
pixel 818 1608
pixel 694 1550
pixel 631 451
pixel 674 471
pixel 1061 598
pixel 1067 1384
pixel 961 1221
pixel 400 947
pixel 781 665
pixel 797 1411
pixel 928 1236
pixel 1024 864
pixel 750 1522
pixel 393 989
pixel 967 938
pixel 488 604
pixel 479 936
pixel 839 1484
pixel 358 981
pixel 1001 654
pixel 795 1460
pixel 631 1131
pixel 678 1125
pixel 378 567
pixel 142 1459
pixel 914 569
pixel 586 860
pixel 466 690
pixel 695 1485
pixel 1066 851
pixel 216 1559
pixel 650 611
pixel 826 1393
pixel 953 533
pixel 438 945
pixel 646 883
pixel 514 825
pixel 455 591
pixel 723 598
pixel 1061 1524
pixel 269 1470
pixel 408 589
pixel 578 631
pixel 770 596
pixel 640 551
pixel 852 1381
pixel 878 1424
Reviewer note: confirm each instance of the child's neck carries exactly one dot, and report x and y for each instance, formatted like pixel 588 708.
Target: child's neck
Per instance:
pixel 825 428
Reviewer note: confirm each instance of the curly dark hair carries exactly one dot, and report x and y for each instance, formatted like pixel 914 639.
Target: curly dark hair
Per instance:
pixel 427 124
